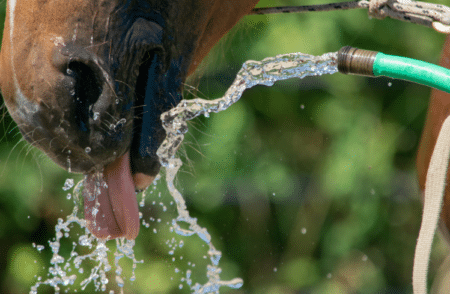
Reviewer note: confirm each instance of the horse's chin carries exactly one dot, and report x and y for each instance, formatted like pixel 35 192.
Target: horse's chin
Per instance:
pixel 142 181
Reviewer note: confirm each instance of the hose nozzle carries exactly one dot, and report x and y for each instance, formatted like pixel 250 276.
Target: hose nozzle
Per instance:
pixel 356 61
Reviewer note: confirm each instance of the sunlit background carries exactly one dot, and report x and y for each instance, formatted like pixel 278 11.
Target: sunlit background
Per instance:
pixel 308 186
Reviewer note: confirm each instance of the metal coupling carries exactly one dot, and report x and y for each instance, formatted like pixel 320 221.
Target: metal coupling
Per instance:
pixel 356 61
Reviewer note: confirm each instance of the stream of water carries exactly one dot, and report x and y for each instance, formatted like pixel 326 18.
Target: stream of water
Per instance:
pixel 60 274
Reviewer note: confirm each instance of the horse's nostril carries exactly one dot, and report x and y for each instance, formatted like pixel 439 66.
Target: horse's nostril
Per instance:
pixel 80 106
pixel 86 90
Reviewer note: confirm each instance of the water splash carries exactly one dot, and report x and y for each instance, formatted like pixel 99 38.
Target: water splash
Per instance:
pixel 265 72
pixel 60 267
pixel 252 73
pixel 68 184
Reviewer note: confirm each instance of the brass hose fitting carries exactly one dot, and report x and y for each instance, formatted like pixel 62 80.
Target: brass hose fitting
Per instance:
pixel 356 61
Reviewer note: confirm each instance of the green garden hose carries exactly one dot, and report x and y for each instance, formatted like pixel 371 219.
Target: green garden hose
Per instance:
pixel 371 63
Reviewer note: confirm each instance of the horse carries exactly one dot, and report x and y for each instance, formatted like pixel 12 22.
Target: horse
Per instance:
pixel 86 82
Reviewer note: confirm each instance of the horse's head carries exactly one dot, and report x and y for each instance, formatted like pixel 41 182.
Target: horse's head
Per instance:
pixel 86 82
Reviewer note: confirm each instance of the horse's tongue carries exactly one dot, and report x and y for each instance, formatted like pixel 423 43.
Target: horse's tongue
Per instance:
pixel 118 214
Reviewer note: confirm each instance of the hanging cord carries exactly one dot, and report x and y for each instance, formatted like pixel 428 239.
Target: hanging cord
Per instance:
pixel 432 15
pixel 434 193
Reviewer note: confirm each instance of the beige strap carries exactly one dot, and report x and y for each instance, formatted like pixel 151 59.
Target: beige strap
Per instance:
pixel 434 193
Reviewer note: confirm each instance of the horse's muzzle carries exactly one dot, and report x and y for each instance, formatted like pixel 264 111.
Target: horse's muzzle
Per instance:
pixel 77 117
pixel 92 110
pixel 86 126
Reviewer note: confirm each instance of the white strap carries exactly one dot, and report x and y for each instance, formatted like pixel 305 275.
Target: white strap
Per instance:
pixel 434 193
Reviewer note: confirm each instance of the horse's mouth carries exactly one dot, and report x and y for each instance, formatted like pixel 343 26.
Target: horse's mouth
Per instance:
pixel 117 214
pixel 101 115
pixel 110 205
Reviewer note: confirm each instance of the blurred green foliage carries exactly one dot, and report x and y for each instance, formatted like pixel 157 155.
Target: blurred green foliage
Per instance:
pixel 306 187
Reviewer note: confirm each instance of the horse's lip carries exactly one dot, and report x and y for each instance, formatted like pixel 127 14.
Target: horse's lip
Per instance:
pixel 142 181
pixel 117 213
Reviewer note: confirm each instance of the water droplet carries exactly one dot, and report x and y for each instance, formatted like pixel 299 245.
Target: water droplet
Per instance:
pixel 68 184
pixel 69 196
pixel 87 150
pixel 304 231
pixel 119 281
pixel 302 106
pixel 69 166
pixel 390 84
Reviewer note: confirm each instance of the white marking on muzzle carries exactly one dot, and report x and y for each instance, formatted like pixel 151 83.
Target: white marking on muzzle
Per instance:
pixel 20 97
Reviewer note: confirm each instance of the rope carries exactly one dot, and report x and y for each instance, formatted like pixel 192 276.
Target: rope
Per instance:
pixel 434 193
pixel 432 15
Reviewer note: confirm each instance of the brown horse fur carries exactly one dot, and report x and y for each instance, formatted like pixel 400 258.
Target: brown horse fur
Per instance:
pixel 438 110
